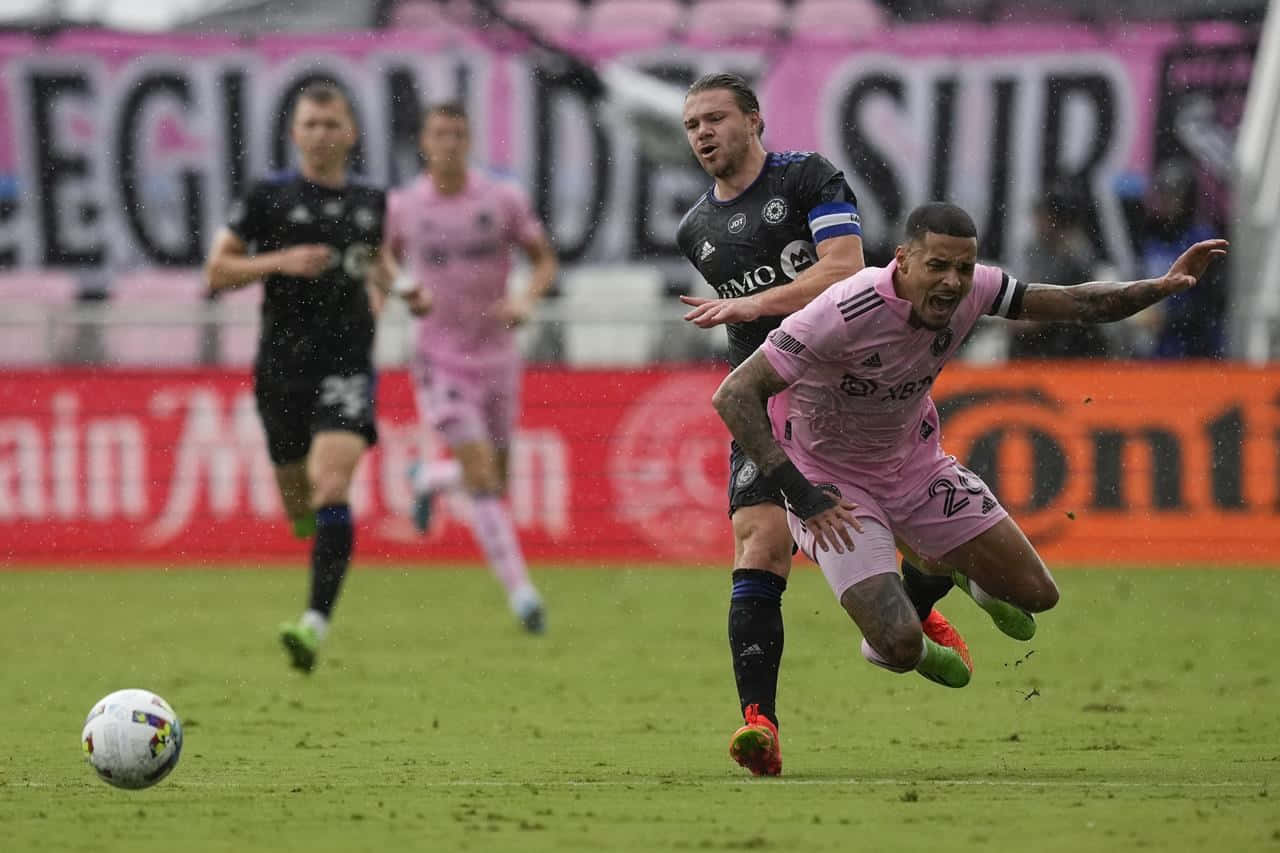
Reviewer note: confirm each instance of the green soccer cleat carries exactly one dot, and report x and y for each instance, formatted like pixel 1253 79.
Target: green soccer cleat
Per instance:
pixel 943 665
pixel 302 643
pixel 1012 621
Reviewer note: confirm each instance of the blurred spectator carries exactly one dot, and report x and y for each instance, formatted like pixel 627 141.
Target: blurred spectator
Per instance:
pixel 1059 253
pixel 1190 324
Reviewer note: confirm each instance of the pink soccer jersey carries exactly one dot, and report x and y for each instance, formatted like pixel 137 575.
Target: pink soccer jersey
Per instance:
pixel 859 407
pixel 460 248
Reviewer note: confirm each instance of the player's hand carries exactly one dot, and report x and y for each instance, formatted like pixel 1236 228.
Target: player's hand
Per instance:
pixel 1192 263
pixel 834 526
pixel 515 311
pixel 306 261
pixel 713 312
pixel 420 301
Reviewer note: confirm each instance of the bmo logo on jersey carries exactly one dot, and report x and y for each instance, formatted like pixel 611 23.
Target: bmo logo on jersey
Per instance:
pixel 797 256
pixel 749 282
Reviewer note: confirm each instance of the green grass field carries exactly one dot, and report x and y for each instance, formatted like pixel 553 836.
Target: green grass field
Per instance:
pixel 1146 715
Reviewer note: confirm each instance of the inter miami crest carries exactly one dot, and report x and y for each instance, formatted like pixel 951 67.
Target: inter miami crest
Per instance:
pixel 942 341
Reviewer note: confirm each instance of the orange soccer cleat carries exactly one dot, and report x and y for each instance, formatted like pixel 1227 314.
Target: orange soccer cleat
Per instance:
pixel 938 629
pixel 756 746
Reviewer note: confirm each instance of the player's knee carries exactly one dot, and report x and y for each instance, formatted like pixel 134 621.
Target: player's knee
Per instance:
pixel 763 551
pixel 329 487
pixel 900 645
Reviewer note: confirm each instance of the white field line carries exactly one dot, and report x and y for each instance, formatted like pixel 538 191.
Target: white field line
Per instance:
pixel 650 782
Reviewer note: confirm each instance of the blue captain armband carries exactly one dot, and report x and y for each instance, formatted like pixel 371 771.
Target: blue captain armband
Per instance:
pixel 834 219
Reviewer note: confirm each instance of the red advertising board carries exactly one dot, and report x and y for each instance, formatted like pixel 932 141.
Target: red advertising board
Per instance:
pixel 1162 465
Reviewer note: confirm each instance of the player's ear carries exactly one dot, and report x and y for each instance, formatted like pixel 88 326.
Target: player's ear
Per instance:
pixel 900 255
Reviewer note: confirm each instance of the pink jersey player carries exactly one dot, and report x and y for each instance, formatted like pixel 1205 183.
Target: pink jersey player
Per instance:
pixel 454 229
pixel 860 416
pixel 458 248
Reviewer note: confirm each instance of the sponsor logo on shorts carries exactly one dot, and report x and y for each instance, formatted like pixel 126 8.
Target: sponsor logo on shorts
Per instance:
pixel 775 210
pixel 737 222
pixel 746 475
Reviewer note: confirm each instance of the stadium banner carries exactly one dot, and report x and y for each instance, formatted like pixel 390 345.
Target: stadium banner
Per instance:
pixel 1115 464
pixel 119 150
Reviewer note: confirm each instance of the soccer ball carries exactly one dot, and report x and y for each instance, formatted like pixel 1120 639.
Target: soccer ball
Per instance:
pixel 132 738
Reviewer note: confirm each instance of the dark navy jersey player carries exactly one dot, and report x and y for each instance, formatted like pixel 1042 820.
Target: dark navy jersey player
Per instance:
pixel 312 239
pixel 772 233
pixel 798 207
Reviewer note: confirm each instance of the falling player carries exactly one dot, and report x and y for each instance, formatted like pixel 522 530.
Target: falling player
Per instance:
pixel 454 228
pixel 311 237
pixel 857 365
pixel 774 231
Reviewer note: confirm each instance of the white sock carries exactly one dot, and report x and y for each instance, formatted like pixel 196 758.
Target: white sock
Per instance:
pixel 873 656
pixel 316 621
pixel 523 599
pixel 980 595
pixel 437 476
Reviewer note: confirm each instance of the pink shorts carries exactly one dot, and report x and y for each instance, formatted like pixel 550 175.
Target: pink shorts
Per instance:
pixel 948 508
pixel 468 404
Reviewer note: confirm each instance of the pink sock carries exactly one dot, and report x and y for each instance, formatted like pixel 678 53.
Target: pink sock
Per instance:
pixel 493 529
pixel 437 476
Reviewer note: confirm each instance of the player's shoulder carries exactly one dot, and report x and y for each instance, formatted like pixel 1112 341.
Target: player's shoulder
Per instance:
pixel 365 189
pixel 689 222
pixel 796 163
pixel 274 183
pixel 856 297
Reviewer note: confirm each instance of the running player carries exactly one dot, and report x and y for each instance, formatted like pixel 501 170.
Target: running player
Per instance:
pixel 774 231
pixel 858 364
pixel 454 228
pixel 311 238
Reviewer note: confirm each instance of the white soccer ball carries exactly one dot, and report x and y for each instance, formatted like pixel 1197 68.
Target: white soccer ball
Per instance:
pixel 132 738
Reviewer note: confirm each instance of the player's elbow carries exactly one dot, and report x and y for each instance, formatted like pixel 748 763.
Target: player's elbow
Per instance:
pixel 725 398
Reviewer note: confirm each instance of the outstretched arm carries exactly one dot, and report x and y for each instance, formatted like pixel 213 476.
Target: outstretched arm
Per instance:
pixel 838 258
pixel 742 401
pixel 1108 301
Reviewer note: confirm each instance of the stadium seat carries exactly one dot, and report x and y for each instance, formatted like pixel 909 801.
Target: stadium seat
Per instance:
pixel 634 17
pixel 30 303
pixel 548 17
pixel 612 314
pixel 153 318
pixel 737 19
pixel 852 20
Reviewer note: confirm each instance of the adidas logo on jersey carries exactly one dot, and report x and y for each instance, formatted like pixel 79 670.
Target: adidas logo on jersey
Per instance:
pixel 872 360
pixel 300 215
pixel 987 505
pixel 706 251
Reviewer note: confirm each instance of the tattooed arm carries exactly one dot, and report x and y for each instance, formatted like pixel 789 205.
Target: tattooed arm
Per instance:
pixel 742 401
pixel 1108 301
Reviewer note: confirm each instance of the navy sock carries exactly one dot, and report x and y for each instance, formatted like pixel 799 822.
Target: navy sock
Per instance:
pixel 755 637
pixel 330 554
pixel 924 590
